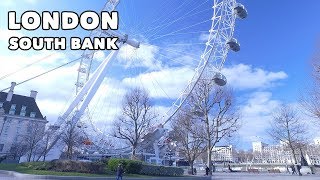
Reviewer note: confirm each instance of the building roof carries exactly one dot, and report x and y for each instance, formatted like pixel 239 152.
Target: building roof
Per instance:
pixel 19 101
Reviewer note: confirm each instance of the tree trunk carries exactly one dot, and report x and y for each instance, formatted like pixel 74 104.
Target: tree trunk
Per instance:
pixel 133 154
pixel 209 146
pixel 191 166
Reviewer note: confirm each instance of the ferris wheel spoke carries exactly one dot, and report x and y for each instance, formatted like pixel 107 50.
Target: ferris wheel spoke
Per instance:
pixel 158 28
pixel 171 33
pixel 185 16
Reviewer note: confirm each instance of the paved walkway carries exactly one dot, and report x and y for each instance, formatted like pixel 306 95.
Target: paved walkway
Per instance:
pixel 9 175
pixel 14 175
pixel 263 176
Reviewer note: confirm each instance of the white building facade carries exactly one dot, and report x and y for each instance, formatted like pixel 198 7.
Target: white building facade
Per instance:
pixel 278 154
pixel 223 154
pixel 18 115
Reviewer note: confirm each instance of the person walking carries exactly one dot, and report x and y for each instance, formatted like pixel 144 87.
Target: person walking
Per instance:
pixel 120 172
pixel 207 170
pixel 293 169
pixel 299 168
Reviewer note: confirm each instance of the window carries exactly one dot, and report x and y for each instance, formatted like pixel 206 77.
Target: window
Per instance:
pixel 23 108
pixel 22 113
pixel 13 106
pixel 12 111
pixel 32 114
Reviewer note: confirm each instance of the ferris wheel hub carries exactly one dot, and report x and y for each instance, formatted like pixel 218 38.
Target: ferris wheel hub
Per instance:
pixel 124 38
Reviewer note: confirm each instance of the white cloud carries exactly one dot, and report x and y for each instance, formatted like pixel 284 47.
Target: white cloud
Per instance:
pixel 246 77
pixel 15 2
pixel 145 56
pixel 167 83
pixel 256 115
pixel 5 35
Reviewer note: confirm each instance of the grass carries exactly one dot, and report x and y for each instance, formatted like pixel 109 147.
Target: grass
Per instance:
pixel 22 169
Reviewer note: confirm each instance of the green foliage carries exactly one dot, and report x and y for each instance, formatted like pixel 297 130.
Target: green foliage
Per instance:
pixel 77 166
pixel 152 170
pixel 67 166
pixel 37 165
pixel 130 166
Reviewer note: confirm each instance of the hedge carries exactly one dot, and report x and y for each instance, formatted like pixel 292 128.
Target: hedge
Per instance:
pixel 68 166
pixel 153 170
pixel 130 166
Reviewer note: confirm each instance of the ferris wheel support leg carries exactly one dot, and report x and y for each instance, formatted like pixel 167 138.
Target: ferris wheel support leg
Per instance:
pixel 96 84
pixel 77 99
pixel 88 91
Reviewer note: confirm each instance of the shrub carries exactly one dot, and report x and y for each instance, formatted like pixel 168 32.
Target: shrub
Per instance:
pixel 130 166
pixel 37 165
pixel 81 167
pixel 68 166
pixel 153 170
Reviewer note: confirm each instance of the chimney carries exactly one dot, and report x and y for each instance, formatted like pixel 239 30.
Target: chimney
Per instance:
pixel 33 94
pixel 10 93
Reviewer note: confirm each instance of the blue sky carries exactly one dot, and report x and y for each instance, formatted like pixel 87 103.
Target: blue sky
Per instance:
pixel 277 40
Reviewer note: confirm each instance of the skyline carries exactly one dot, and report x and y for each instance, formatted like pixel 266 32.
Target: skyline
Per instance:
pixel 270 69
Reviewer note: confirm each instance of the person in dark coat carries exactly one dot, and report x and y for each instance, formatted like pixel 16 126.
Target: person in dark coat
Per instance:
pixel 299 168
pixel 207 170
pixel 120 172
pixel 293 169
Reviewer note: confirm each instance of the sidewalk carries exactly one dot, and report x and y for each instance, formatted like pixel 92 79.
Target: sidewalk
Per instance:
pixel 16 175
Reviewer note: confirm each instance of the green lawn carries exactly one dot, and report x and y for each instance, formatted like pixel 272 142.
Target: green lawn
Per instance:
pixel 22 169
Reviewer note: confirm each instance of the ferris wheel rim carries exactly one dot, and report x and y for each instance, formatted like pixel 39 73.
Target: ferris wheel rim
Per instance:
pixel 202 65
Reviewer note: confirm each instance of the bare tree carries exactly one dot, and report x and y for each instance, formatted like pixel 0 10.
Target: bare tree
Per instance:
pixel 289 129
pixel 44 147
pixel 244 156
pixel 137 115
pixel 311 99
pixel 185 132
pixel 72 139
pixel 18 149
pixel 32 138
pixel 215 108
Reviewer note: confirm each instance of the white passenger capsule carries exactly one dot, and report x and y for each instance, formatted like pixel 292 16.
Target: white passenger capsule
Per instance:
pixel 234 45
pixel 241 11
pixel 220 79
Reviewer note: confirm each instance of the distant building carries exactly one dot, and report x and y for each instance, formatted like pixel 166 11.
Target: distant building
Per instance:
pixel 258 146
pixel 223 154
pixel 279 154
pixel 17 115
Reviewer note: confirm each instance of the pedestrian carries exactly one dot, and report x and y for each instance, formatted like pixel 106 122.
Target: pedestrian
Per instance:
pixel 299 168
pixel 195 171
pixel 120 172
pixel 229 168
pixel 288 171
pixel 293 169
pixel 207 170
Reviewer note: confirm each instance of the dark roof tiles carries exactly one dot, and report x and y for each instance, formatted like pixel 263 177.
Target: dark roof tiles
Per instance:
pixel 19 101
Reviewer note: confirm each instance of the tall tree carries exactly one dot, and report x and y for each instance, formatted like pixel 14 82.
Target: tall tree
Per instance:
pixel 311 99
pixel 185 131
pixel 215 108
pixel 31 139
pixel 72 139
pixel 136 118
pixel 289 129
pixel 18 149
